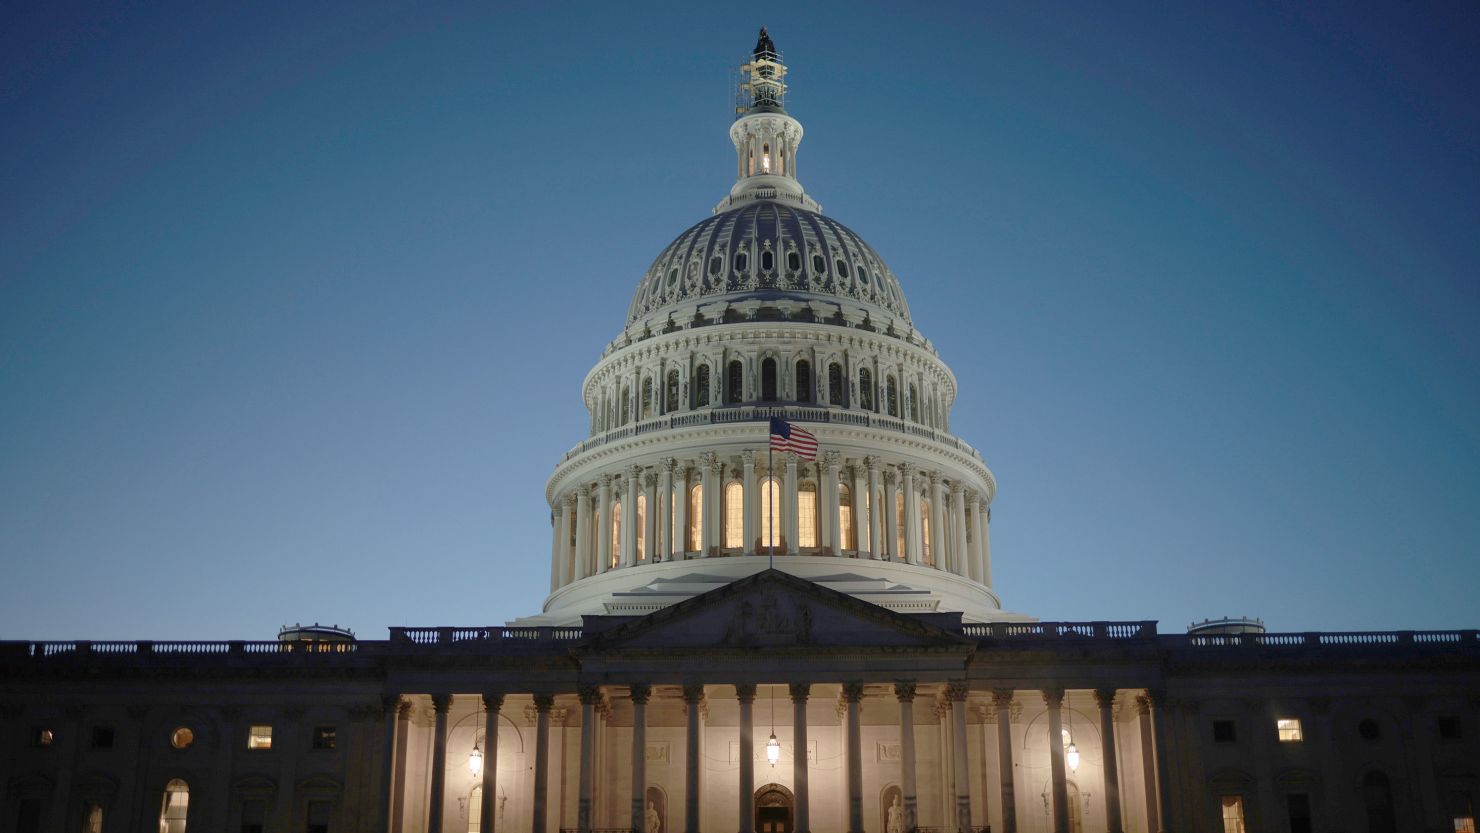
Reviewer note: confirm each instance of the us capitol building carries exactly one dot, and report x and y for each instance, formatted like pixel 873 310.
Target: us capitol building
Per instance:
pixel 741 640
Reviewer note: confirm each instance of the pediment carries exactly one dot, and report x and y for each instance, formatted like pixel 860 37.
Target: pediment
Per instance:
pixel 773 610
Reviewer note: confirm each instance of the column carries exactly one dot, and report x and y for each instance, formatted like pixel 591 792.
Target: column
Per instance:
pixel 629 516
pixel 604 524
pixel 876 507
pixel 588 695
pixel 789 505
pixel 693 695
pixel 799 694
pixel 665 510
pixel 1054 699
pixel 911 514
pixel 711 474
pixel 398 787
pixel 441 703
pixel 828 527
pixel 1151 775
pixel 650 519
pixel 1160 727
pixel 890 517
pixel 582 548
pixel 389 706
pixel 1002 699
pixel 1105 699
pixel 937 522
pixel 973 522
pixel 905 691
pixel 490 761
pixel 862 539
pixel 957 692
pixel 566 554
pixel 752 502
pixel 640 692
pixel 960 562
pixel 745 694
pixel 681 511
pixel 556 550
pixel 853 696
pixel 542 705
pixel 984 524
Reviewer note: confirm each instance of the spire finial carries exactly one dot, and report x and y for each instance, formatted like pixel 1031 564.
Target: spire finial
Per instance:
pixel 763 45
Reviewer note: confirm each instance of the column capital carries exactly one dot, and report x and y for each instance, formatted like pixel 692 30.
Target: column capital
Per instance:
pixel 957 489
pixel 871 463
pixel 745 692
pixel 1002 697
pixel 890 477
pixel 1155 698
pixel 958 690
pixel 800 692
pixel 1143 704
pixel 588 694
pixel 493 702
pixel 640 693
pixel 543 702
pixel 390 703
pixel 693 693
pixel 607 480
pixel 935 478
pixel 634 472
pixel 908 470
pixel 831 459
pixel 1105 697
pixel 852 692
pixel 904 690
pixel 650 480
pixel 1053 697
pixel 441 702
pixel 570 500
pixel 668 463
pixel 583 491
pixel 747 457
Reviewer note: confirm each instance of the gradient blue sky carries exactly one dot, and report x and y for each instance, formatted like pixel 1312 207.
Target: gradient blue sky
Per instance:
pixel 295 299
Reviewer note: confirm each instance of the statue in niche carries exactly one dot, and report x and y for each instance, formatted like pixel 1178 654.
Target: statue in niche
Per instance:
pixel 654 823
pixel 895 821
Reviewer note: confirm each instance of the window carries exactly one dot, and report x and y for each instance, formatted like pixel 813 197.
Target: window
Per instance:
pixel 174 810
pixel 626 405
pixel 1377 795
pixel 768 380
pixel 325 737
pixel 1298 807
pixel 925 532
pixel 891 396
pixel 807 515
pixel 742 262
pixel 94 819
pixel 183 736
pixel 1289 730
pixel 771 512
pixel 1462 810
pixel 734 515
pixel 616 550
pixel 28 816
pixel 847 539
pixel 670 398
pixel 1369 730
pixel 318 817
pixel 1233 813
pixel 835 389
pixel 804 381
pixel 43 737
pixel 716 263
pixel 258 737
pixel 914 403
pixel 475 811
pixel 899 525
pixel 819 264
pixel 102 737
pixel 701 386
pixel 696 517
pixel 1449 728
pixel 647 398
pixel 865 389
pixel 793 261
pixel 254 816
pixel 842 268
pixel 734 383
pixel 1223 731
pixel 641 527
pixel 768 261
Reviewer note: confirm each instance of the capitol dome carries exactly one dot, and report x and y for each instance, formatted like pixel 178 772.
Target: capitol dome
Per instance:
pixel 769 317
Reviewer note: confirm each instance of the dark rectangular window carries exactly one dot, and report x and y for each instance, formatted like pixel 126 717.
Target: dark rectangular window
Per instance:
pixel 325 737
pixel 318 816
pixel 254 816
pixel 102 737
pixel 1449 728
pixel 1299 807
pixel 1224 732
pixel 28 816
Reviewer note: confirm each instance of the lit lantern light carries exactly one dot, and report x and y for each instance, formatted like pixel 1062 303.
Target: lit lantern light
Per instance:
pixel 1072 754
pixel 773 750
pixel 475 760
pixel 766 162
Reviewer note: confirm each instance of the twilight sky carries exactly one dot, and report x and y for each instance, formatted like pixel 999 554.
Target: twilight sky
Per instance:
pixel 296 299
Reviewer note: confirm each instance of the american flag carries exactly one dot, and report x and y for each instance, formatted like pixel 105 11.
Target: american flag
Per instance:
pixel 788 437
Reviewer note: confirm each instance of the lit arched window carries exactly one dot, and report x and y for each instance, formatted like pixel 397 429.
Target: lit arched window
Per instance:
pixel 846 533
pixel 696 517
pixel 641 526
pixel 670 398
pixel 770 512
pixel 899 526
pixel 925 531
pixel 475 810
pixel 804 381
pixel 734 383
pixel 734 515
pixel 701 386
pixel 866 389
pixel 914 403
pixel 647 398
pixel 174 810
pixel 807 515
pixel 94 818
pixel 835 387
pixel 891 396
pixel 616 554
pixel 768 380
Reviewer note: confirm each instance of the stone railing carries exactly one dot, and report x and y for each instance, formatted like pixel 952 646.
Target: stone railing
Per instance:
pixel 762 413
pixel 1309 638
pixel 1054 630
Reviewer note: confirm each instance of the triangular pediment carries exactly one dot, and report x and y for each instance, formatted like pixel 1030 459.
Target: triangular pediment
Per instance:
pixel 772 609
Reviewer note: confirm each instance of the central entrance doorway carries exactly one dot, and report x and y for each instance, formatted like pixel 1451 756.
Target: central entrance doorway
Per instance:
pixel 774 810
